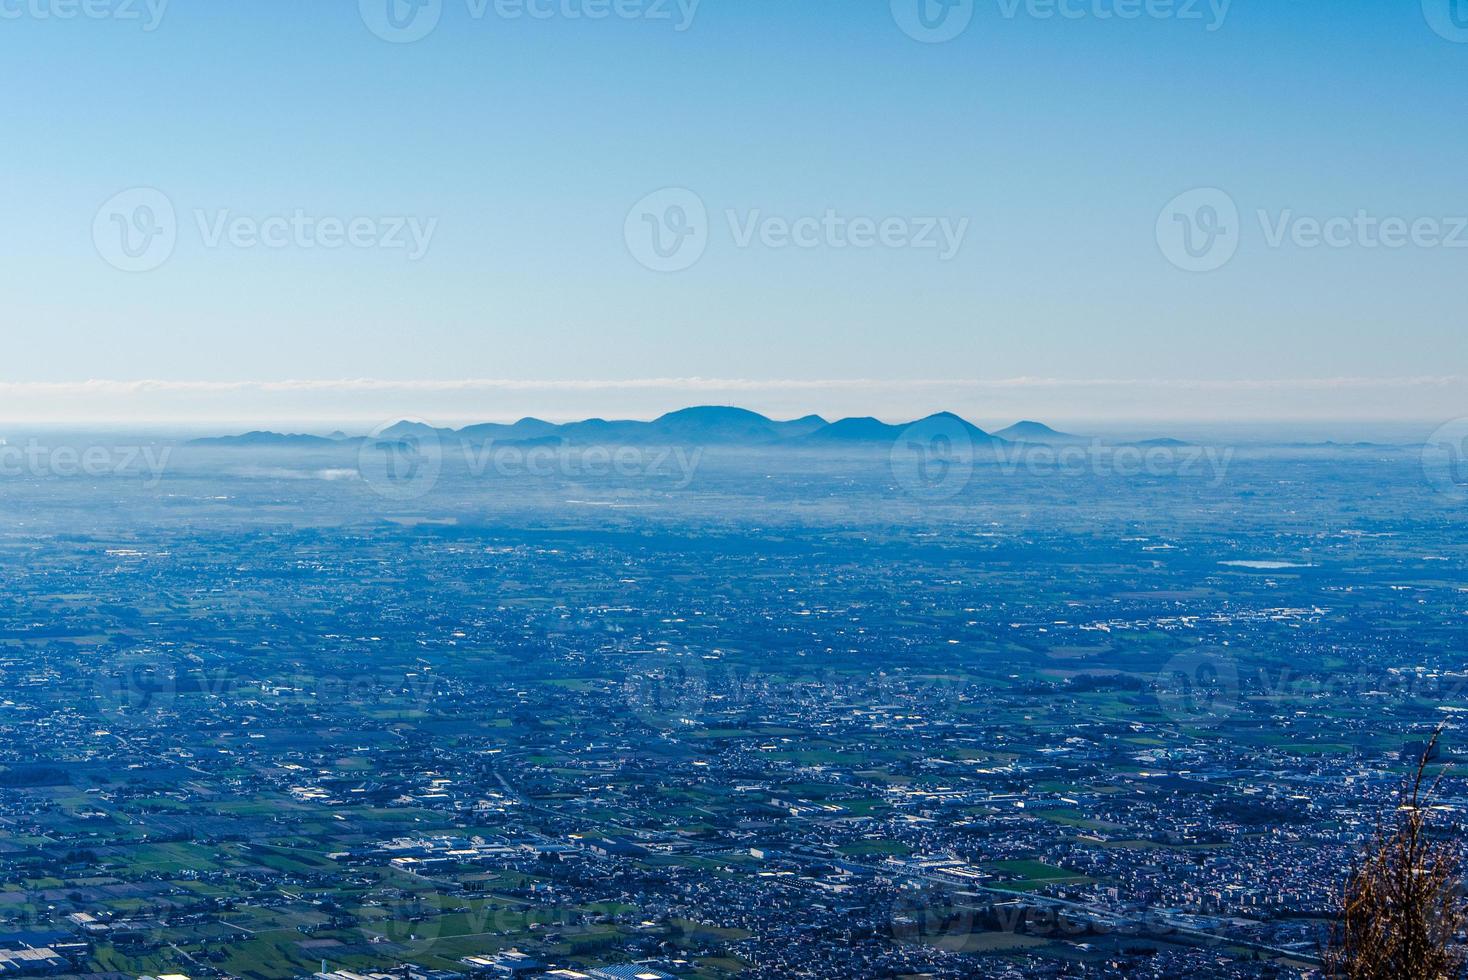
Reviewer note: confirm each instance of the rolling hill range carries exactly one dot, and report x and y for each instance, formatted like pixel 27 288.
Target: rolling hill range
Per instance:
pixel 705 425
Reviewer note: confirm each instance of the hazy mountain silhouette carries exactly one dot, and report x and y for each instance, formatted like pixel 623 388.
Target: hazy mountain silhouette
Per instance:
pixel 865 429
pixel 275 440
pixel 1036 432
pixel 870 430
pixel 1159 443
pixel 701 425
pixel 527 428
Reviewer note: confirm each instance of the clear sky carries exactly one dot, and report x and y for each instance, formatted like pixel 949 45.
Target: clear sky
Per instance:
pixel 495 172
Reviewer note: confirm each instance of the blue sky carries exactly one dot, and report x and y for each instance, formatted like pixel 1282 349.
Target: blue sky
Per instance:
pixel 517 146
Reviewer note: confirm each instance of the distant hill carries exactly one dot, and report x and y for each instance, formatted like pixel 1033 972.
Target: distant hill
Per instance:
pixel 802 426
pixel 1036 432
pixel 525 429
pixel 714 424
pixel 1160 443
pixel 273 440
pixel 405 428
pixel 870 430
pixel 855 430
pixel 1386 446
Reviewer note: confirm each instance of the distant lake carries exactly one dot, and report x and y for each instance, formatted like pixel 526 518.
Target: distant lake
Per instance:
pixel 1265 565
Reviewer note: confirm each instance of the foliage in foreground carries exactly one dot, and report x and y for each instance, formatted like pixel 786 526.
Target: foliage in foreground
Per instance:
pixel 1403 911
